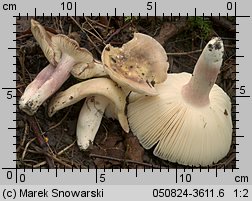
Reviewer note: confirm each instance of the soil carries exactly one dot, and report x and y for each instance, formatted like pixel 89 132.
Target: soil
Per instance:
pixel 45 142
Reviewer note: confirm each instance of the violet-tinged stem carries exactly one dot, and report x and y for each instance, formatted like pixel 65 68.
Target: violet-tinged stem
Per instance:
pixel 196 91
pixel 55 81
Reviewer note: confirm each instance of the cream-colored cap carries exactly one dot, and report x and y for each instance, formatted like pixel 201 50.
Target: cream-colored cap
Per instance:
pixel 138 65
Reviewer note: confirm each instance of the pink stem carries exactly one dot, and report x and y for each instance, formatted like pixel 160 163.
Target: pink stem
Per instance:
pixel 36 84
pixel 196 91
pixel 52 84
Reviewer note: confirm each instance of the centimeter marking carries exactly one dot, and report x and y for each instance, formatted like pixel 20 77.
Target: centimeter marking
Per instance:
pixel 101 172
pixel 136 169
pixel 147 14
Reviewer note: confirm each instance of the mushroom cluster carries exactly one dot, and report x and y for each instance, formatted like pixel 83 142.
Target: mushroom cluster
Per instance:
pixel 125 69
pixel 187 117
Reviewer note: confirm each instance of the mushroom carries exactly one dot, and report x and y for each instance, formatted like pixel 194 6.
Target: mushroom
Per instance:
pixel 103 94
pixel 67 54
pixel 190 120
pixel 138 65
pixel 65 57
pixel 44 39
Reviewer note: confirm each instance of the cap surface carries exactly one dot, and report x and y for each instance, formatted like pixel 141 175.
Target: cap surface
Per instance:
pixel 138 65
pixel 182 132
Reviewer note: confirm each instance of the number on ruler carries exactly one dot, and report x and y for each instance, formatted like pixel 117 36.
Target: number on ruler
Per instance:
pixel 229 5
pixel 242 90
pixel 9 95
pixel 19 178
pixel 149 5
pixel 9 174
pixel 186 178
pixel 67 5
pixel 102 178
pixel 22 177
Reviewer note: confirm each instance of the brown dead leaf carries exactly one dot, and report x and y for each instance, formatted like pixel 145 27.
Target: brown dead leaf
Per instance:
pixel 111 146
pixel 134 151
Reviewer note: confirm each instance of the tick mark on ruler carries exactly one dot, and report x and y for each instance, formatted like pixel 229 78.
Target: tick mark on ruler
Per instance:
pixel 10 88
pixel 240 96
pixel 176 175
pixel 13 48
pixel 238 136
pixel 75 9
pixel 56 170
pixel 16 112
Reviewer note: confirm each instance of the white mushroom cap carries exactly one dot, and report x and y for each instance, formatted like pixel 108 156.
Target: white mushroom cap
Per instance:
pixel 184 130
pixel 138 65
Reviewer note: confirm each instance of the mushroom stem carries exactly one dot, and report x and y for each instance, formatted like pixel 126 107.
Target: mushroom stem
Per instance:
pixel 51 85
pixel 196 91
pixel 97 86
pixel 89 120
pixel 31 89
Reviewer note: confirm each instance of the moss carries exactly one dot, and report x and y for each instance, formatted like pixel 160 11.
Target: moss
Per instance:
pixel 200 27
pixel 129 18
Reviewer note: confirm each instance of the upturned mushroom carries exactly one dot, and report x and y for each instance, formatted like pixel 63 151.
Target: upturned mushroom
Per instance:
pixel 189 122
pixel 65 57
pixel 138 65
pixel 44 39
pixel 104 95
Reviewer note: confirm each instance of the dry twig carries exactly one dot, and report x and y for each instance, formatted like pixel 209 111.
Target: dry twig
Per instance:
pixel 126 161
pixel 40 139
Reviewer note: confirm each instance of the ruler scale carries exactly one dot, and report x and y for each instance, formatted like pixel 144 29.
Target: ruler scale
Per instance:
pixel 150 182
